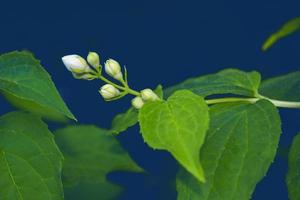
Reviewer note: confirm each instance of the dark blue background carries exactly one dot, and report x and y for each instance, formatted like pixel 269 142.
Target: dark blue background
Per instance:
pixel 160 41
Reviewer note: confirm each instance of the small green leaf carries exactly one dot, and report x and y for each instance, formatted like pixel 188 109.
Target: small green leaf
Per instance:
pixel 159 91
pixel 238 150
pixel 293 176
pixel 27 85
pixel 124 120
pixel 30 162
pixel 179 126
pixel 90 154
pixel 228 81
pixel 284 87
pixel 288 28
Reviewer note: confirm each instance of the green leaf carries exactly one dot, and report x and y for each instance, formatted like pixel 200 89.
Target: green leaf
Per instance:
pixel 123 121
pixel 287 29
pixel 30 162
pixel 90 154
pixel 239 148
pixel 27 85
pixel 284 87
pixel 179 126
pixel 159 91
pixel 228 81
pixel 293 176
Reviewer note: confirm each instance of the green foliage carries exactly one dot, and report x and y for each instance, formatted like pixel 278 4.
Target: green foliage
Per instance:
pixel 293 176
pixel 27 85
pixel 285 87
pixel 228 81
pixel 224 150
pixel 177 125
pixel 123 121
pixel 90 154
pixel 30 162
pixel 159 91
pixel 287 29
pixel 240 146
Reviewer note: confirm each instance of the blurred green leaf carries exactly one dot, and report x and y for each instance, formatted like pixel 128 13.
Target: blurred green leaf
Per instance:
pixel 287 29
pixel 90 154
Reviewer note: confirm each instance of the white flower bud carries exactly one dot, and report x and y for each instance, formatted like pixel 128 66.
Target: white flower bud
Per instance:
pixel 113 69
pixel 148 95
pixel 108 91
pixel 137 102
pixel 93 59
pixel 75 64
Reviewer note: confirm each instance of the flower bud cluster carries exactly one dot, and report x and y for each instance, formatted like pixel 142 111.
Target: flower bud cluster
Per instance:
pixel 91 68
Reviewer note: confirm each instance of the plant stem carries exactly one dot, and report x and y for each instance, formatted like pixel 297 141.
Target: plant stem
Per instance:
pixel 277 103
pixel 230 99
pixel 283 104
pixel 126 88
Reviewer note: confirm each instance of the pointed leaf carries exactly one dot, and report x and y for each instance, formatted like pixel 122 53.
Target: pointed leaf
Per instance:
pixel 30 162
pixel 179 126
pixel 27 85
pixel 159 91
pixel 239 148
pixel 288 28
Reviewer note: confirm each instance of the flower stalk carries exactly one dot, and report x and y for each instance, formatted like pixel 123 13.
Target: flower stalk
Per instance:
pixel 277 103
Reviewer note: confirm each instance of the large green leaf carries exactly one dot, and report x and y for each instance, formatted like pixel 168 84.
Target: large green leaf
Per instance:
pixel 27 85
pixel 288 28
pixel 30 162
pixel 228 81
pixel 286 87
pixel 293 176
pixel 90 154
pixel 239 148
pixel 179 126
